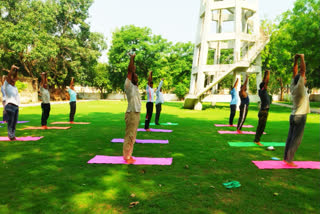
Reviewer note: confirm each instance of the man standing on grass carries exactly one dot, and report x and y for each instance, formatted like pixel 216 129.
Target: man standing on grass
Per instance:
pixel 150 100
pixel 244 105
pixel 45 96
pixel 264 108
pixel 159 102
pixel 4 115
pixel 132 116
pixel 301 108
pixel 73 101
pixel 233 103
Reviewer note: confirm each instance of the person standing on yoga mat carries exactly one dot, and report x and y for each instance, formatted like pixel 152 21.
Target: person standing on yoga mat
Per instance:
pixel 159 102
pixel 244 105
pixel 4 114
pixel 300 109
pixel 73 101
pixel 45 96
pixel 264 108
pixel 12 101
pixel 150 100
pixel 132 116
pixel 233 103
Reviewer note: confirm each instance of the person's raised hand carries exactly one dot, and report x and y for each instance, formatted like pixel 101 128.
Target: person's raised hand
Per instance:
pixel 15 67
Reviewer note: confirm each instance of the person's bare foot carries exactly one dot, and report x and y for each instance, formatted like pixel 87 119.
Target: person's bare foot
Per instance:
pixel 44 127
pixel 13 138
pixel 258 143
pixel 291 164
pixel 239 131
pixel 72 122
pixel 148 130
pixel 130 160
pixel 230 125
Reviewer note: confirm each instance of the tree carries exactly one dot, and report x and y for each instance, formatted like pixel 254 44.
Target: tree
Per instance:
pixel 101 78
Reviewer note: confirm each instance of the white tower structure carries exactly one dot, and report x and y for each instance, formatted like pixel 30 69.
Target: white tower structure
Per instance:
pixel 228 41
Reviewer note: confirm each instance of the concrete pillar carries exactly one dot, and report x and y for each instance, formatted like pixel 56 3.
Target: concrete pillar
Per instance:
pixel 238 28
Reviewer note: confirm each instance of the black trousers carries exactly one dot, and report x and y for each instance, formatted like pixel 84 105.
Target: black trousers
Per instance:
pixel 149 107
pixel 243 115
pixel 13 113
pixel 158 111
pixel 45 113
pixel 297 123
pixel 73 106
pixel 233 109
pixel 263 116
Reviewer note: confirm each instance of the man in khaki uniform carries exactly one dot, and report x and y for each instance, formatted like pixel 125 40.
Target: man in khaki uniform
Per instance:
pixel 301 108
pixel 132 116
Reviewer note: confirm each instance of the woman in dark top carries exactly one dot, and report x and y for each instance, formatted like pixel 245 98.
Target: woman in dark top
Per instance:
pixel 244 105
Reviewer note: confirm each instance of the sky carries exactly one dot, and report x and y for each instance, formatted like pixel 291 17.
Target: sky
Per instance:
pixel 174 20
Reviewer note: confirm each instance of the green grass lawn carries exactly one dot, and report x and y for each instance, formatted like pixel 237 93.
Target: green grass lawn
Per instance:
pixel 52 175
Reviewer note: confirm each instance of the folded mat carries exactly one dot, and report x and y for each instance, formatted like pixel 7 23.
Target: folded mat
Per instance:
pixel 49 127
pixel 17 122
pixel 163 124
pixel 235 132
pixel 247 144
pixel 28 138
pixel 282 165
pixel 139 160
pixel 120 140
pixel 155 130
pixel 70 123
pixel 226 125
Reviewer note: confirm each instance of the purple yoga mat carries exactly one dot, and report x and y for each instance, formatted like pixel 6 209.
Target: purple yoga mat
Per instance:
pixel 155 130
pixel 283 165
pixel 139 161
pixel 17 122
pixel 226 125
pixel 28 138
pixel 235 132
pixel 120 140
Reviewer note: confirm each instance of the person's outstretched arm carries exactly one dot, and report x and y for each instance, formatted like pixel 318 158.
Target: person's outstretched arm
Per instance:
pixel 266 78
pixel 71 82
pixel 11 76
pixel 245 83
pixel 42 79
pixel 302 66
pixel 160 85
pixel 150 78
pixel 295 66
pixel 131 69
pixel 236 83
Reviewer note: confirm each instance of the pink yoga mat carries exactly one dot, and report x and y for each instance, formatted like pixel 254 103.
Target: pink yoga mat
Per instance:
pixel 235 132
pixel 139 161
pixel 155 130
pixel 226 125
pixel 28 138
pixel 70 123
pixel 282 165
pixel 49 127
pixel 17 122
pixel 120 140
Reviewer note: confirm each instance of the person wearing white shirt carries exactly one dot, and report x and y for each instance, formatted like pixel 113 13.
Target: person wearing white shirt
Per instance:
pixel 73 101
pixel 12 101
pixel 150 100
pixel 159 101
pixel 45 96
pixel 4 115
pixel 132 116
pixel 301 107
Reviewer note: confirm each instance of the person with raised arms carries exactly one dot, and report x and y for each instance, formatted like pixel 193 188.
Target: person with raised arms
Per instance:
pixel 233 103
pixel 159 101
pixel 264 108
pixel 4 113
pixel 12 101
pixel 301 107
pixel 45 96
pixel 73 101
pixel 150 100
pixel 244 105
pixel 132 116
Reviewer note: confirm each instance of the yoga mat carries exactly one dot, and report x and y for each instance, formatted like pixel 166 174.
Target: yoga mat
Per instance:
pixel 226 125
pixel 163 124
pixel 49 127
pixel 17 122
pixel 28 138
pixel 155 130
pixel 139 161
pixel 120 140
pixel 70 123
pixel 235 132
pixel 247 144
pixel 282 165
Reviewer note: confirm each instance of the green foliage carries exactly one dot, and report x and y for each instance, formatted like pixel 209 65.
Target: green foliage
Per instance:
pixel 181 90
pixel 101 77
pixel 21 86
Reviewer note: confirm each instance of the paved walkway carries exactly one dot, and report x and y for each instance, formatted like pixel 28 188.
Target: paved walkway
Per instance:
pixel 313 110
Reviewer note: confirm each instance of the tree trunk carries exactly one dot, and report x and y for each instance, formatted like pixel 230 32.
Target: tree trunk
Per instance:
pixel 281 90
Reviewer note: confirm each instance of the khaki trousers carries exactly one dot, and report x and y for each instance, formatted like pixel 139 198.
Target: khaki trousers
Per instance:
pixel 132 122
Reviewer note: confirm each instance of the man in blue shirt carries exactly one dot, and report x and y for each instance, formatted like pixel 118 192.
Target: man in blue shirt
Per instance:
pixel 233 103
